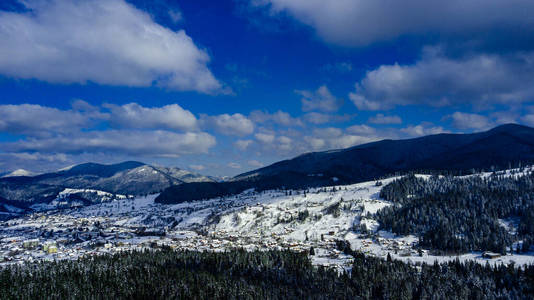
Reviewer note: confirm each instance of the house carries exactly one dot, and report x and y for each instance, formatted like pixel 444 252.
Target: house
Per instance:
pixel 51 249
pixel 491 255
pixel 30 244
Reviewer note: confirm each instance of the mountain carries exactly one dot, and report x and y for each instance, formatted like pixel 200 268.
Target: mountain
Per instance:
pixel 498 148
pixel 88 182
pixel 18 172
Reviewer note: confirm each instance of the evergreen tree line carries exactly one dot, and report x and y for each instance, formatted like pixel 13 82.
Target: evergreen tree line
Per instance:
pixel 454 214
pixel 238 274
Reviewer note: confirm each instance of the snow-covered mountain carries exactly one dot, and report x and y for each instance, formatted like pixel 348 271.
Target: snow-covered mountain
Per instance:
pixel 19 172
pixel 127 178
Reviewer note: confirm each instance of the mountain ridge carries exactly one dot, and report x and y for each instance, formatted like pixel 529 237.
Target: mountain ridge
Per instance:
pixel 495 148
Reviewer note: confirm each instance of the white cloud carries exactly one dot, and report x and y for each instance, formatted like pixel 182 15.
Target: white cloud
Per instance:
pixel 236 124
pixel 320 118
pixel 436 80
pixel 382 119
pixel 265 138
pixel 348 140
pixel 104 41
pixel 315 143
pixel 462 120
pixel 284 143
pixel 361 130
pixel 243 144
pixel 37 120
pixel 335 138
pixel 361 22
pixel 133 115
pixel 321 100
pixel 327 132
pixel 421 130
pixel 126 142
pixel 279 117
pixel 362 103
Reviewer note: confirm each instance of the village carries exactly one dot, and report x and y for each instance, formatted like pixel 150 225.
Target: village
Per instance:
pixel 212 225
pixel 48 238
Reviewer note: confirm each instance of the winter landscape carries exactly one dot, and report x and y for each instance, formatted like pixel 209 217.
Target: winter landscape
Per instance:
pixel 266 149
pixel 300 220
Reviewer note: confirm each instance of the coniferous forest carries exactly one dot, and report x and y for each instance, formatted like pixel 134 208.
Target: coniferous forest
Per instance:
pixel 453 214
pixel 239 274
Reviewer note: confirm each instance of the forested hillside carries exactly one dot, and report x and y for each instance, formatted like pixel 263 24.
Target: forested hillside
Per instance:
pixel 257 275
pixel 461 214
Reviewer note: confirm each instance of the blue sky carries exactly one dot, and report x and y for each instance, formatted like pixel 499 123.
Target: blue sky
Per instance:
pixel 222 87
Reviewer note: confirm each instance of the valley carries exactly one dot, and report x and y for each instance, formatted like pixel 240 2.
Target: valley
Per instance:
pixel 321 221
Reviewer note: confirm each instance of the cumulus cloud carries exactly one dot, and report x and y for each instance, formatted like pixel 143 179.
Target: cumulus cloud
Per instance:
pixel 327 132
pixel 37 120
pixel 361 130
pixel 462 120
pixel 279 117
pixel 236 124
pixel 361 22
pixel 265 138
pixel 315 143
pixel 103 41
pixel 321 118
pixel 320 142
pixel 127 142
pixel 243 144
pixel 133 115
pixel 284 143
pixel 321 100
pixel 336 138
pixel 437 80
pixel 422 129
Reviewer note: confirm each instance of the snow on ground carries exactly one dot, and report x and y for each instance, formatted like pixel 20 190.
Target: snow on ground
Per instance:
pixel 275 219
pixel 308 215
pixel 517 172
pixel 106 195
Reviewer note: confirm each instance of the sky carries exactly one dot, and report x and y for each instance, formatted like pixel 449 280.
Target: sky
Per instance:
pixel 224 87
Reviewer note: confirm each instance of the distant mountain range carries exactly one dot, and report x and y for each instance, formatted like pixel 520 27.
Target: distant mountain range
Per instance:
pixel 127 178
pixel 500 147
